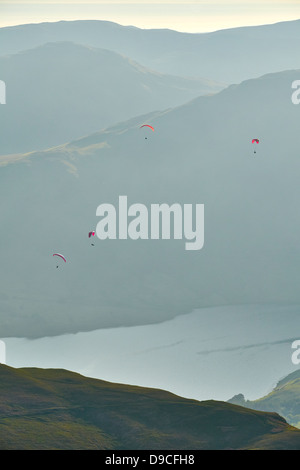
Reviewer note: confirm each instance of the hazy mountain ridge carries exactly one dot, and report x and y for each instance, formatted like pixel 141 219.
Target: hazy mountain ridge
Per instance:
pixel 57 409
pixel 60 91
pixel 246 52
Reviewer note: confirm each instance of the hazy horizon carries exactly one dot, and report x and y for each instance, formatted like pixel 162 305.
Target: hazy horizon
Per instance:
pixel 191 17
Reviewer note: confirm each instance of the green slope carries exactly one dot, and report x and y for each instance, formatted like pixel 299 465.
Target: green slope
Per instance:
pixel 284 399
pixel 58 409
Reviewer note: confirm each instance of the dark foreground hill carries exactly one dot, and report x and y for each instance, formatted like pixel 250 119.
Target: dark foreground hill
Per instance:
pixel 57 409
pixel 283 399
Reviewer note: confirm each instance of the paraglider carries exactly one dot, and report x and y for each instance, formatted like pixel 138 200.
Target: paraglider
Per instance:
pixel 255 141
pixel 92 234
pixel 147 125
pixel 60 256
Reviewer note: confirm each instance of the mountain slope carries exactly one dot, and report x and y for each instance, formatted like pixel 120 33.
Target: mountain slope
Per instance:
pixel 197 155
pixel 284 399
pixel 57 409
pixel 228 56
pixel 210 353
pixel 60 91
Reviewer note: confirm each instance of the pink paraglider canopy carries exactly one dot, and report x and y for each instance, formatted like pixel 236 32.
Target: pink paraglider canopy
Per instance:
pixel 61 256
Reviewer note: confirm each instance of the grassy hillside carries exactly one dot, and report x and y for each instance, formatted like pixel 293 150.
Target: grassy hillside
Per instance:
pixel 58 409
pixel 284 399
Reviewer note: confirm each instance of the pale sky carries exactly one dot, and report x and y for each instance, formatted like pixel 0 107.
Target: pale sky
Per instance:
pixel 187 16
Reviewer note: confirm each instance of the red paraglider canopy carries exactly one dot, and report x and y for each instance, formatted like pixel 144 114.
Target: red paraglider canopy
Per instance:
pixel 91 234
pixel 61 256
pixel 147 125
pixel 255 140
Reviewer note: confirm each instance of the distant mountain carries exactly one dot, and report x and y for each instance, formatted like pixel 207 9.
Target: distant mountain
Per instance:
pixel 284 399
pixel 60 91
pixel 56 409
pixel 228 56
pixel 199 153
